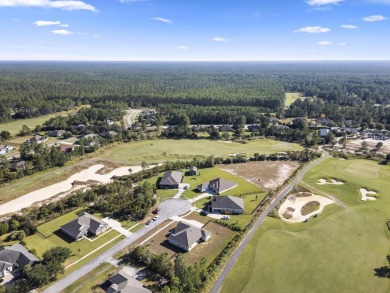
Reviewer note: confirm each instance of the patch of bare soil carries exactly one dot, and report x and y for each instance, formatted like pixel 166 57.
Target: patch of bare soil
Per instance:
pixel 265 174
pixel 108 166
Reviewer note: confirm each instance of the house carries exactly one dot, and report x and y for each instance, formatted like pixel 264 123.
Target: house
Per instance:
pixel 227 204
pixel 148 113
pixel 171 179
pixel 193 171
pixel 110 122
pixel 4 149
pixel 226 128
pixel 108 134
pixel 187 237
pixel 218 185
pixel 37 139
pixel 324 132
pixel 15 257
pixel 66 148
pixel 90 136
pixel 83 225
pixel 121 282
pixel 57 133
pixel 18 165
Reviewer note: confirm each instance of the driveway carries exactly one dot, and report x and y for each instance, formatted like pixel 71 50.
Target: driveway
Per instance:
pixel 182 187
pixel 116 226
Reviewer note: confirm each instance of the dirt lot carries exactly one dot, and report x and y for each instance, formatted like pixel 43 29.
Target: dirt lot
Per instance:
pixel 267 175
pixel 356 145
pixel 220 236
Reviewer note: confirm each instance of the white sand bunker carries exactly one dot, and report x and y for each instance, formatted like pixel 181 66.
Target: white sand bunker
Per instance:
pixel 290 210
pixel 332 182
pixel 364 193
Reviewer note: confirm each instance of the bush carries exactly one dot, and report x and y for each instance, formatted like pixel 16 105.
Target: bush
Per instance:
pixel 16 235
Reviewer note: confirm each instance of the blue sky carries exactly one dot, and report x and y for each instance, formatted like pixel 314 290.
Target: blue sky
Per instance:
pixel 194 30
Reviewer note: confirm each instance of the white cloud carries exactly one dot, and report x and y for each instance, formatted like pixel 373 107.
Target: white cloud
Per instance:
pixel 46 22
pixel 349 26
pixel 60 4
pixel 132 1
pixel 374 18
pixel 220 40
pixel 64 25
pixel 342 44
pixel 62 32
pixel 313 30
pixel 325 43
pixel 162 19
pixel 182 48
pixel 323 2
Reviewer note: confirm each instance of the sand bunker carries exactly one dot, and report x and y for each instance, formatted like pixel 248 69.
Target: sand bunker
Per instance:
pixel 290 210
pixel 64 187
pixel 364 193
pixel 331 182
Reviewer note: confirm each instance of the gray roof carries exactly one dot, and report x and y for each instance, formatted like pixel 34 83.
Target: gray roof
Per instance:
pixel 122 282
pixel 18 254
pixel 193 168
pixel 15 165
pixel 221 184
pixel 83 224
pixel 171 178
pixel 187 235
pixel 227 202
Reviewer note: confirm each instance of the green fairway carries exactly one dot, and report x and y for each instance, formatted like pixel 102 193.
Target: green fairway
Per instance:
pixel 291 98
pixel 336 252
pixel 173 150
pixel 15 126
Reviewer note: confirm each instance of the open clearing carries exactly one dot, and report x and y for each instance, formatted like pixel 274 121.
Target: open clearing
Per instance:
pixel 336 252
pixel 268 174
pixel 356 145
pixel 291 98
pixel 184 149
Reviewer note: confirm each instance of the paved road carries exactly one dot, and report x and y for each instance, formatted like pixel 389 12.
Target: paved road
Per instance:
pixel 130 116
pixel 168 209
pixel 229 265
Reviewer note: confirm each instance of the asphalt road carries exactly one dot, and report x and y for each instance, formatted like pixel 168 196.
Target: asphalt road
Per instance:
pixel 130 117
pixel 229 265
pixel 168 209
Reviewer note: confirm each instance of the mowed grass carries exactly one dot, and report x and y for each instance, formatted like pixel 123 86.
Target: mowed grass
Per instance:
pixel 336 252
pixel 49 236
pixel 291 98
pixel 15 126
pixel 173 150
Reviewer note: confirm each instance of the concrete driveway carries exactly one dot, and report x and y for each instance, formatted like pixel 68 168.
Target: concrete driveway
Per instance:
pixel 182 187
pixel 116 226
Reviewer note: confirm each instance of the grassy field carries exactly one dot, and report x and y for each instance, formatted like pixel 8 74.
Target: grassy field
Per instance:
pixel 336 252
pixel 15 126
pixel 173 150
pixel 291 98
pixel 91 281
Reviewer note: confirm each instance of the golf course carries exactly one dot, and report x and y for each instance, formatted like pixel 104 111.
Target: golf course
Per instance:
pixel 336 252
pixel 184 149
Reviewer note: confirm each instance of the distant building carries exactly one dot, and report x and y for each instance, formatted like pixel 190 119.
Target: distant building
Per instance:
pixel 122 282
pixel 15 257
pixel 37 139
pixel 186 236
pixel 218 186
pixel 4 149
pixel 324 132
pixel 57 133
pixel 18 165
pixel 171 180
pixel 193 171
pixel 66 148
pixel 227 204
pixel 226 128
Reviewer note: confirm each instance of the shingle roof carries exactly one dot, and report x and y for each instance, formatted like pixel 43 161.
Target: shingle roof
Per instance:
pixel 227 202
pixel 16 253
pixel 83 224
pixel 193 168
pixel 121 282
pixel 171 178
pixel 187 235
pixel 221 184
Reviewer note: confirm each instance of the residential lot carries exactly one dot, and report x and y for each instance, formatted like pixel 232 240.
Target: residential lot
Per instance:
pixel 336 252
pixel 172 150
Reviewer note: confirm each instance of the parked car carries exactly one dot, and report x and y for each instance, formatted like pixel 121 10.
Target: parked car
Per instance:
pixel 203 213
pixel 148 222
pixel 226 218
pixel 156 218
pixel 156 211
pixel 185 187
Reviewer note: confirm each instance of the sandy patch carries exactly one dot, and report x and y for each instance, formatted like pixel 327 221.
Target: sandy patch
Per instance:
pixel 364 193
pixel 332 182
pixel 190 222
pixel 267 174
pixel 225 141
pixel 356 145
pixel 293 206
pixel 63 188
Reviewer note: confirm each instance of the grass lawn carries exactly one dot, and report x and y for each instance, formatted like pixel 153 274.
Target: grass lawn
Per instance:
pixel 212 173
pixel 49 236
pixel 91 281
pixel 291 98
pixel 173 150
pixel 336 252
pixel 15 126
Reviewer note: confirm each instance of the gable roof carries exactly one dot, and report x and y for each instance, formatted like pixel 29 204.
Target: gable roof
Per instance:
pixel 221 184
pixel 187 235
pixel 83 224
pixel 171 178
pixel 18 254
pixel 227 202
pixel 122 282
pixel 193 168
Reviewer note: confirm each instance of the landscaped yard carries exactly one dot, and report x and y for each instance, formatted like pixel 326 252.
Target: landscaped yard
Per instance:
pixel 336 252
pixel 184 149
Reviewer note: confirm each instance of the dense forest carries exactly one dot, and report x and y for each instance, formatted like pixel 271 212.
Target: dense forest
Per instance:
pixel 207 93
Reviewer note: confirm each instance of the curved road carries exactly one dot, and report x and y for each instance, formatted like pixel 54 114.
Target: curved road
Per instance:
pixel 168 209
pixel 229 265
